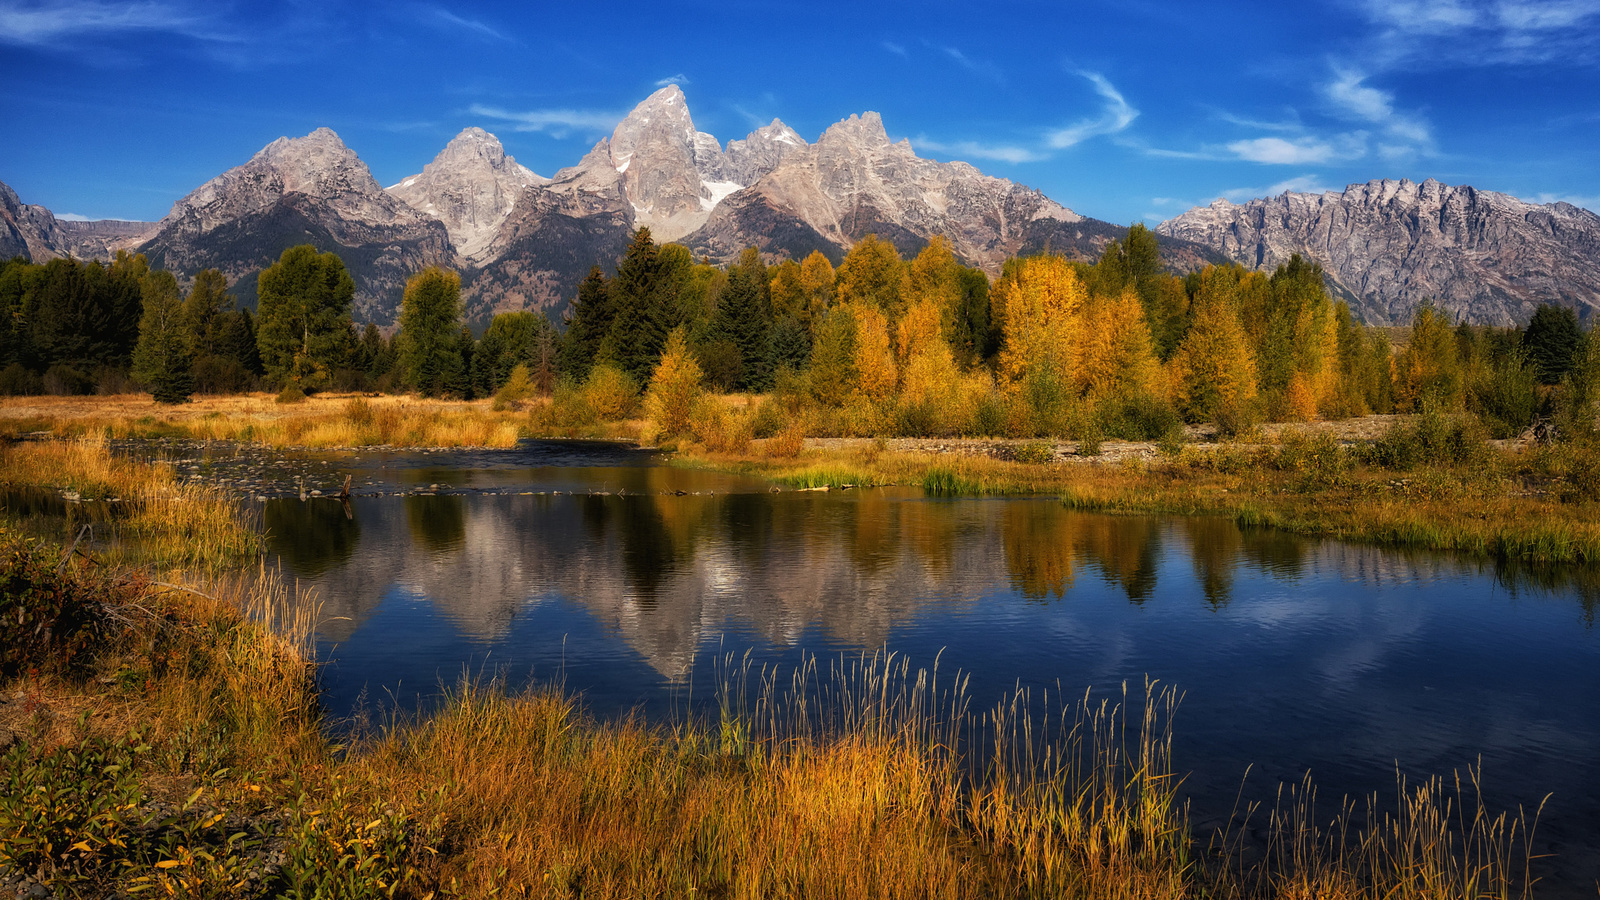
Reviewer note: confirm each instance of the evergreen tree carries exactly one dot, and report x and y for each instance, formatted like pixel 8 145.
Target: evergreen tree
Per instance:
pixel 588 322
pixel 1551 341
pixel 744 318
pixel 428 345
pixel 645 309
pixel 304 306
pixel 162 358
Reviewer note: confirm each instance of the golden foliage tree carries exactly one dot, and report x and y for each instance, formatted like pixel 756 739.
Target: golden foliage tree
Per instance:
pixel 1213 374
pixel 874 362
pixel 935 276
pixel 1117 356
pixel 870 276
pixel 1429 369
pixel 674 387
pixel 1041 298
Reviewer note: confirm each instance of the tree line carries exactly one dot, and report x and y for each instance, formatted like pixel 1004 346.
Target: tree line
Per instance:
pixel 879 344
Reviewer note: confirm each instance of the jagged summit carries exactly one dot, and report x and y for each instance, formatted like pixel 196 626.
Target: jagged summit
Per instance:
pixel 471 186
pixel 318 166
pixel 1390 244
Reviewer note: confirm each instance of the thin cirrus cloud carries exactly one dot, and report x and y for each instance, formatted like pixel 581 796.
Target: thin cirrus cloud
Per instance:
pixel 556 122
pixel 471 26
pixel 1479 32
pixel 35 24
pixel 1116 115
pixel 1300 151
pixel 977 150
pixel 678 79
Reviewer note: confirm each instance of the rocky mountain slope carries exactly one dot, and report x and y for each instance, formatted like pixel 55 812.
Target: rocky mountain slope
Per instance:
pixel 471 187
pixel 1482 256
pixel 35 234
pixel 294 191
pixel 854 181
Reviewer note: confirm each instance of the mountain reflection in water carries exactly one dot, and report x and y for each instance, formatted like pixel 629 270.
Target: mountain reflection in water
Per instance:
pixel 628 583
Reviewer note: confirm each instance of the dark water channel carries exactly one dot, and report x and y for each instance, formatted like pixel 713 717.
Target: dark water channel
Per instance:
pixel 627 579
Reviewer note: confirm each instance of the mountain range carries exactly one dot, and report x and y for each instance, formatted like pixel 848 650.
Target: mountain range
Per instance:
pixel 523 241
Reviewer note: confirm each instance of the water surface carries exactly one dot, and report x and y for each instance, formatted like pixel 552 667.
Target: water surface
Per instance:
pixel 627 580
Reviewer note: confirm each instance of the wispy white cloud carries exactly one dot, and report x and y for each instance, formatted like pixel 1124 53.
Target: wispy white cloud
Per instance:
pixel 678 79
pixel 1480 32
pixel 897 49
pixel 1301 151
pixel 1292 123
pixel 976 150
pixel 1116 115
pixel 1591 203
pixel 557 122
pixel 37 24
pixel 72 217
pixel 975 66
pixel 472 26
pixel 1303 184
pixel 1403 132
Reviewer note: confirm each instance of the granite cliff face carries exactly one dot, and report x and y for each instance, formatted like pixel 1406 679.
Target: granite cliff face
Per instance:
pixel 35 234
pixel 854 181
pixel 295 191
pixel 471 187
pixel 655 170
pixel 1481 256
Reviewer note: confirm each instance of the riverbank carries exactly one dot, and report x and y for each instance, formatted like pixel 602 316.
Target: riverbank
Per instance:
pixel 1431 482
pixel 164 733
pixel 1423 482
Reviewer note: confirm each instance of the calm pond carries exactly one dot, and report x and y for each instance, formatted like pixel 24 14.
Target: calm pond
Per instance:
pixel 629 581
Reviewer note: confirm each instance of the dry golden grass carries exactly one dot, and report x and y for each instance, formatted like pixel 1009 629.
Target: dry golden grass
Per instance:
pixel 325 420
pixel 151 517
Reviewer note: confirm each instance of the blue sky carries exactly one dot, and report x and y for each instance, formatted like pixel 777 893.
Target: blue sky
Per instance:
pixel 1126 111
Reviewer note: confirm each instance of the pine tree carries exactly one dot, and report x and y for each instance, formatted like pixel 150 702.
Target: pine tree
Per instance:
pixel 161 360
pixel 645 309
pixel 588 322
pixel 1551 341
pixel 428 344
pixel 744 317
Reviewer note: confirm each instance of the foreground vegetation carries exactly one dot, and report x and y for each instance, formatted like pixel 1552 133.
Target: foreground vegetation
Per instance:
pixel 163 737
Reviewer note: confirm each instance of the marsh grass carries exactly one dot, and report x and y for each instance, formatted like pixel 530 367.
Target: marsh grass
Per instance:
pixel 135 512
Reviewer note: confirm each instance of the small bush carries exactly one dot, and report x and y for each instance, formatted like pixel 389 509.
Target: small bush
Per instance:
pixel 1432 438
pixel 988 416
pixel 66 381
pixel 359 412
pixel 48 618
pixel 518 388
pixel 1137 417
pixel 17 381
pixel 291 394
pixel 788 443
pixel 611 393
pixel 66 811
pixel 1036 452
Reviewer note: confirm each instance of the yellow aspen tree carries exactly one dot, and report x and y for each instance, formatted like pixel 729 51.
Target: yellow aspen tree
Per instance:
pixel 816 280
pixel 1213 373
pixel 929 377
pixel 1429 369
pixel 1117 356
pixel 788 293
pixel 875 367
pixel 1042 300
pixel 870 276
pixel 674 387
pixel 936 275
